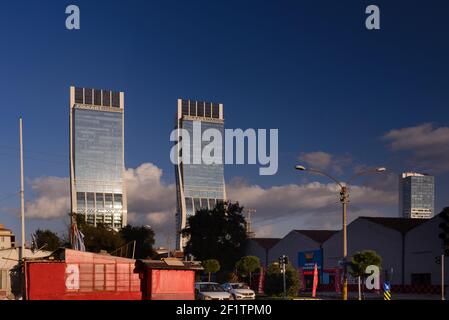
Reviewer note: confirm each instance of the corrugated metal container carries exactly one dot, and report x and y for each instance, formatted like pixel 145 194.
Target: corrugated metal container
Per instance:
pixel 76 275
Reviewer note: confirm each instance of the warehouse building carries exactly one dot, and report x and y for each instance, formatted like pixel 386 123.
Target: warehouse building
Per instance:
pixel 409 249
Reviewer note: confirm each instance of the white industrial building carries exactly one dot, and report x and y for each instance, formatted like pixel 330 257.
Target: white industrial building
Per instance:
pixel 408 247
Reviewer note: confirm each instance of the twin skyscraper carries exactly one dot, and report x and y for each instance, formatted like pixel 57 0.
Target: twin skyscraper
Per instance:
pixel 97 165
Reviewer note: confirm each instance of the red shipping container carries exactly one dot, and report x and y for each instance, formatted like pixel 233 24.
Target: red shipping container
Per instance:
pixel 76 275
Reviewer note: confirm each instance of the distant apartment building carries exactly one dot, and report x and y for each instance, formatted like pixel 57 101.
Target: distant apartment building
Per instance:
pixel 416 195
pixel 198 185
pixel 7 238
pixel 97 156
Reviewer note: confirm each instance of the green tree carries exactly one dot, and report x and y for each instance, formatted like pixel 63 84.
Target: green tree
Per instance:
pixel 211 266
pixel 360 261
pixel 47 240
pixel 274 285
pixel 247 265
pixel 100 238
pixel 218 233
pixel 144 237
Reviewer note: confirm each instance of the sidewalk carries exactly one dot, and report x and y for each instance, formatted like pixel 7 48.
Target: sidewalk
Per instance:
pixel 374 296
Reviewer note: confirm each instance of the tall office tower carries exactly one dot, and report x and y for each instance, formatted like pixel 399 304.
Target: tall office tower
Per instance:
pixel 198 185
pixel 416 195
pixel 97 156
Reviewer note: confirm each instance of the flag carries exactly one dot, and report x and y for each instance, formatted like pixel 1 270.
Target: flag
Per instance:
pixel 76 236
pixel 261 280
pixel 315 280
pixel 33 243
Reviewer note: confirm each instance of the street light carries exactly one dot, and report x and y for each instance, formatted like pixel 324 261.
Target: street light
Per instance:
pixel 344 199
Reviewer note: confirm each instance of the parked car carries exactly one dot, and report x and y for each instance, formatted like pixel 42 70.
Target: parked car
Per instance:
pixel 239 291
pixel 210 291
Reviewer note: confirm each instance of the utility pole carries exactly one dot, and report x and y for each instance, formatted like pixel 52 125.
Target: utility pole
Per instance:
pixel 283 261
pixel 442 277
pixel 285 284
pixel 168 245
pixel 249 231
pixel 22 193
pixel 360 289
pixel 344 200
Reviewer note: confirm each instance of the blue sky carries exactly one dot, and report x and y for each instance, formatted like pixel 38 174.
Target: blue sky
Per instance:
pixel 309 68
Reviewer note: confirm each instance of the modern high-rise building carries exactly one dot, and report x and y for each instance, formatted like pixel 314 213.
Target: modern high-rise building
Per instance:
pixel 416 195
pixel 97 156
pixel 198 185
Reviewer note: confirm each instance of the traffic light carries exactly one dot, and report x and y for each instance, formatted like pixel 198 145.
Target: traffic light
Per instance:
pixel 283 260
pixel 444 226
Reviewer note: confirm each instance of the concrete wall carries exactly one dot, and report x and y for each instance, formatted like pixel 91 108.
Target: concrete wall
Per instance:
pixel 422 245
pixel 366 235
pixel 5 239
pixel 290 245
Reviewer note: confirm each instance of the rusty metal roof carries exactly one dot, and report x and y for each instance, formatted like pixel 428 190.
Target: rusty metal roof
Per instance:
pixel 170 264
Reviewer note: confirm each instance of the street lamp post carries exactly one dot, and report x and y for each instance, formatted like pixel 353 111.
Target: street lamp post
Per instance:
pixel 344 199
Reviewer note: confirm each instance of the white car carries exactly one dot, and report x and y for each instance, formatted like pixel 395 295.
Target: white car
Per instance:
pixel 210 291
pixel 239 291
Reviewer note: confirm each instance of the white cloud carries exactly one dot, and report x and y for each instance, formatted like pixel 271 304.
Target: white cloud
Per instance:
pixel 150 200
pixel 52 198
pixel 264 231
pixel 307 206
pixel 153 202
pixel 318 159
pixel 323 160
pixel 427 146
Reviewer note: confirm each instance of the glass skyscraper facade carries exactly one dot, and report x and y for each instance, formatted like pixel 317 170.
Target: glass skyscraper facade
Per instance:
pixel 97 156
pixel 416 195
pixel 199 185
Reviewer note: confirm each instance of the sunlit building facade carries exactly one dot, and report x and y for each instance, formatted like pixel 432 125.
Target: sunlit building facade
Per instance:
pixel 198 185
pixel 97 156
pixel 416 195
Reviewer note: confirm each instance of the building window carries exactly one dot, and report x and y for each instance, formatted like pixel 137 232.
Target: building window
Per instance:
pixel 118 202
pixel 200 109
pixel 196 204
pixel 116 99
pixel 106 98
pixel 99 201
pixel 108 200
pixel 208 110
pixel 185 108
pixel 215 111
pixel 193 108
pixel 97 97
pixel 3 279
pixel 189 206
pixel 90 200
pixel 80 200
pixel 88 96
pixel 79 95
pixel 421 279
